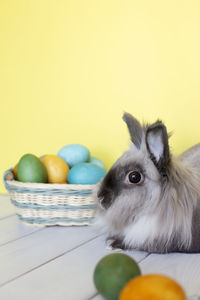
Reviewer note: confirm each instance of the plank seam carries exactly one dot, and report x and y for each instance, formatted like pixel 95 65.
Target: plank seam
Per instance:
pixel 142 259
pixel 93 296
pixel 21 237
pixel 48 261
pixel 8 216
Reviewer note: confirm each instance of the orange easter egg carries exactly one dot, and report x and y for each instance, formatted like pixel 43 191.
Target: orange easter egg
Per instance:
pixel 152 287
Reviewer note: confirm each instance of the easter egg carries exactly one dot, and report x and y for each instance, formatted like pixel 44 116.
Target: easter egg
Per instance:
pixel 15 171
pixel 31 169
pixel 96 161
pixel 112 273
pixel 74 154
pixel 152 287
pixel 85 173
pixel 41 157
pixel 57 168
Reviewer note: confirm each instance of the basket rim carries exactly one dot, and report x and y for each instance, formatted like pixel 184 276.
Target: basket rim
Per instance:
pixel 48 186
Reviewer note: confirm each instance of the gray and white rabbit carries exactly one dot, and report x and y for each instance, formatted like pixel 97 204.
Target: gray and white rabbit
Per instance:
pixel 150 199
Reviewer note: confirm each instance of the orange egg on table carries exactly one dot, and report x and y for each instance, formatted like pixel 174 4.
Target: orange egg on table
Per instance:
pixel 57 168
pixel 152 287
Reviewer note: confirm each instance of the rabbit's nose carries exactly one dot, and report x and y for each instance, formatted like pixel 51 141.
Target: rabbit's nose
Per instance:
pixel 105 199
pixel 100 198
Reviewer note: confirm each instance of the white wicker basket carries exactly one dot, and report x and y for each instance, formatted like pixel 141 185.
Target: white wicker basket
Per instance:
pixel 51 204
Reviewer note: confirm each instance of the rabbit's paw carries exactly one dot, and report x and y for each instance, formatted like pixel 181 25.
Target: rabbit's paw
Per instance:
pixel 115 244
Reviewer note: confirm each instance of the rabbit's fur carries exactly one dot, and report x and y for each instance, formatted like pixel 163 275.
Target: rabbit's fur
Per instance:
pixel 160 213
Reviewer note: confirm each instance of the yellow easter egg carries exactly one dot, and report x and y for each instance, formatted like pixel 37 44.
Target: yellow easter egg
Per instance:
pixel 57 168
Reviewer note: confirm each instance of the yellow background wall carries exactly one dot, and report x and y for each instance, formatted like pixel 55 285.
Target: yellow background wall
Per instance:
pixel 69 68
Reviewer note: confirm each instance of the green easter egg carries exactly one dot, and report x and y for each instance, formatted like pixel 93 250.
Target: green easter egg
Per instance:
pixel 31 169
pixel 112 273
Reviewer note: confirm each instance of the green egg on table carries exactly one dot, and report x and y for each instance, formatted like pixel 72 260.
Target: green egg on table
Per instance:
pixel 85 173
pixel 96 161
pixel 31 169
pixel 112 273
pixel 74 154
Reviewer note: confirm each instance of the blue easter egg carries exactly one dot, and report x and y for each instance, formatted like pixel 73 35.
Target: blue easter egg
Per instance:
pixel 85 173
pixel 74 154
pixel 96 161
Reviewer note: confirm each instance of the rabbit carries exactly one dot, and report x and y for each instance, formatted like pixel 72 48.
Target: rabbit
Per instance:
pixel 149 200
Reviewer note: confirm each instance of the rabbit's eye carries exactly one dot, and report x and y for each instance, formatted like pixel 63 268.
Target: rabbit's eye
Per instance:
pixel 134 177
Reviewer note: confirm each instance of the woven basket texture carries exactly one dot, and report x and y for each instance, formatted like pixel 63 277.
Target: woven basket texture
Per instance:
pixel 51 204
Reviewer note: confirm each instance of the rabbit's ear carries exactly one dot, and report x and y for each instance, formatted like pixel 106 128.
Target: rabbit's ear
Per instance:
pixel 135 129
pixel 157 145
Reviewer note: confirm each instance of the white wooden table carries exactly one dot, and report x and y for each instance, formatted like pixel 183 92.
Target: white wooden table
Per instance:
pixel 58 262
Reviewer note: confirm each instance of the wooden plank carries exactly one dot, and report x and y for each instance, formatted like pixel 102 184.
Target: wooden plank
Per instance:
pixel 6 207
pixel 12 229
pixel 68 277
pixel 25 254
pixel 184 268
